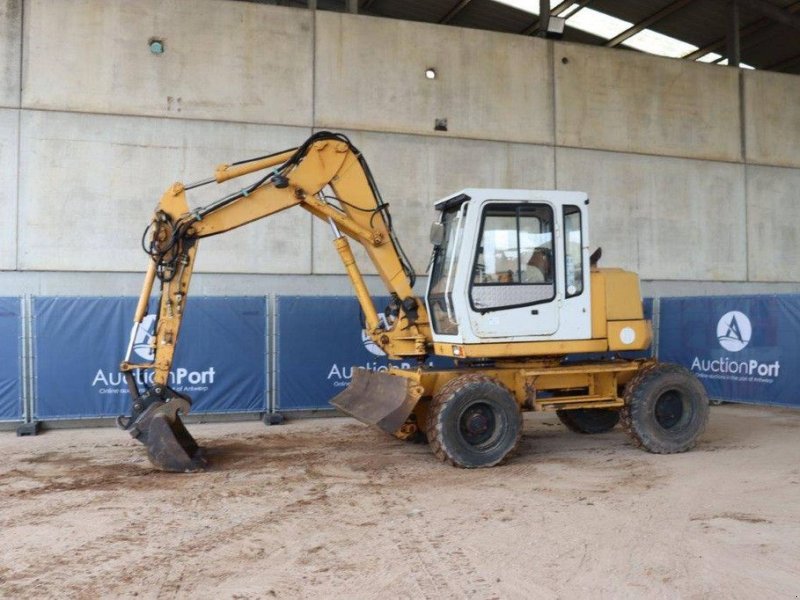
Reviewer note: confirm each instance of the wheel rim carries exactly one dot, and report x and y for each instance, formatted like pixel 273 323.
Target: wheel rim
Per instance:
pixel 672 409
pixel 478 424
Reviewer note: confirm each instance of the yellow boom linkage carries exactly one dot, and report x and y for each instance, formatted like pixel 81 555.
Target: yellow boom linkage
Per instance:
pixel 297 177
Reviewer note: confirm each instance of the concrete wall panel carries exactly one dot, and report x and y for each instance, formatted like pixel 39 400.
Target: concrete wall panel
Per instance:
pixel 666 218
pixel 773 215
pixel 370 74
pixel 413 172
pixel 772 118
pixel 9 121
pixel 89 184
pixel 614 100
pixel 10 50
pixel 231 61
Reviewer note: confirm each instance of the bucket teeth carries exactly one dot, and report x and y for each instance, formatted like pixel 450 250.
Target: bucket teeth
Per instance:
pixel 170 446
pixel 379 399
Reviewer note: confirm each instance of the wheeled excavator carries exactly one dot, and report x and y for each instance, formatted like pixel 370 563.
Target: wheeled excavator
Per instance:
pixel 554 340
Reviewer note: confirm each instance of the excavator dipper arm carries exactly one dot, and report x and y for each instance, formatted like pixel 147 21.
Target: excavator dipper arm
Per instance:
pixel 328 177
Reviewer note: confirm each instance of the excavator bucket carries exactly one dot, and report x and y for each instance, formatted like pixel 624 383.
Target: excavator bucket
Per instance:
pixel 170 447
pixel 380 399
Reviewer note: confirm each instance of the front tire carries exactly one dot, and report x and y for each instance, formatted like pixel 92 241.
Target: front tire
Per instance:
pixel 589 420
pixel 473 422
pixel 666 409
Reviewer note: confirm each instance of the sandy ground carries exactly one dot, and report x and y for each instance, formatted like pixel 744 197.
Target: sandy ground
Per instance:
pixel 332 509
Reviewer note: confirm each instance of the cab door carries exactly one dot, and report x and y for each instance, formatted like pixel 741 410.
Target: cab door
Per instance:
pixel 513 290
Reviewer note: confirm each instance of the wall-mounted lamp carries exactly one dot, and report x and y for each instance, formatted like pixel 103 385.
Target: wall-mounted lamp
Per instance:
pixel 156 46
pixel 555 27
pixel 430 73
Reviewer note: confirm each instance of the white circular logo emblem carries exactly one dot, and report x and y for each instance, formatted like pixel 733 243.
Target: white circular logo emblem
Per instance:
pixel 734 331
pixel 627 335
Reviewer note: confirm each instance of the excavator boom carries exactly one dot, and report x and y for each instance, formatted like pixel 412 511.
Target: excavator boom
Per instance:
pixel 328 177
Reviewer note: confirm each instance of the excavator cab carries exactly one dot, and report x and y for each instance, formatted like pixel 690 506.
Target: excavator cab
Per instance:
pixel 509 266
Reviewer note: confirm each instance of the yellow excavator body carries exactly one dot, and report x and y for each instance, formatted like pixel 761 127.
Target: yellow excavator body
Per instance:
pixel 514 298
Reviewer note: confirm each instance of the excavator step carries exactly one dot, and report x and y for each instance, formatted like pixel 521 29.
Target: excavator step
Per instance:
pixel 567 402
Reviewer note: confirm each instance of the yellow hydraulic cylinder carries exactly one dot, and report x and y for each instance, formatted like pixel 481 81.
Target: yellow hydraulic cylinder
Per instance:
pixel 147 288
pixel 225 172
pixel 357 279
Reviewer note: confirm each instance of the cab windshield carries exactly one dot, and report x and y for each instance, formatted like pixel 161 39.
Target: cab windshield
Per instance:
pixel 440 294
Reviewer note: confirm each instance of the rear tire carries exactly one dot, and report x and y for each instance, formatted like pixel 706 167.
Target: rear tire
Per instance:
pixel 589 420
pixel 473 422
pixel 666 409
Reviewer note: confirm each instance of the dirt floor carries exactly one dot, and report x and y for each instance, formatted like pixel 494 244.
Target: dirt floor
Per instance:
pixel 329 508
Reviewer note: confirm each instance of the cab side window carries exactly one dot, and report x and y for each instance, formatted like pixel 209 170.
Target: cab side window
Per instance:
pixel 573 252
pixel 514 259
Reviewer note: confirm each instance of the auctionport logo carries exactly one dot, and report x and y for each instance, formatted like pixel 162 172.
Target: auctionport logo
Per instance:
pixel 734 331
pixel 143 342
pixel 181 379
pixel 340 375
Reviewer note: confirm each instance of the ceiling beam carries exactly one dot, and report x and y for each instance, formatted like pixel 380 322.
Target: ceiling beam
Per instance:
pixel 773 12
pixel 784 64
pixel 743 33
pixel 733 46
pixel 544 17
pixel 460 5
pixel 556 11
pixel 645 23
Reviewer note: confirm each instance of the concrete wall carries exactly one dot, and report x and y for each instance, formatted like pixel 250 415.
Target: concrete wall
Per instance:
pixel 370 74
pixel 773 222
pixel 10 51
pixel 227 61
pixel 772 118
pixel 88 180
pixel 665 218
pixel 9 129
pixel 692 169
pixel 634 102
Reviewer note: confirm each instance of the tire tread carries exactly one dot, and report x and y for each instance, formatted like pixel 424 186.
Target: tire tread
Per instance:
pixel 634 397
pixel 441 399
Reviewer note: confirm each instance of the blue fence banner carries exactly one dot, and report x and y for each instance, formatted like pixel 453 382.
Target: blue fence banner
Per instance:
pixel 320 340
pixel 10 359
pixel 743 348
pixel 221 359
pixel 647 308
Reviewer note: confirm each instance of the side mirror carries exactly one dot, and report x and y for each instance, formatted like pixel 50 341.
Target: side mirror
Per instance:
pixel 595 257
pixel 437 234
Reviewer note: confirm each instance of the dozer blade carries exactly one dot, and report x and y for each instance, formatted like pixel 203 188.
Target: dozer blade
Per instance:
pixel 170 447
pixel 380 399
